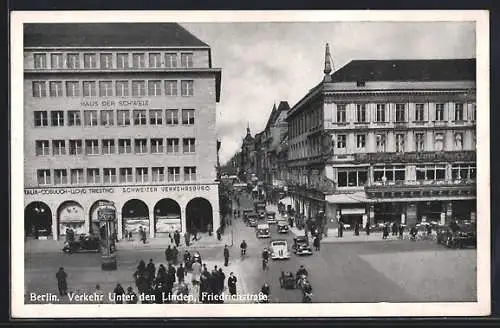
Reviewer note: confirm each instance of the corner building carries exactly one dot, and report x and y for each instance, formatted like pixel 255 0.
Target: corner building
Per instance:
pixel 386 140
pixel 119 112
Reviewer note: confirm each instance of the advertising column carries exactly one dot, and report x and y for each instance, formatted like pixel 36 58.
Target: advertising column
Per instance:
pixel 107 217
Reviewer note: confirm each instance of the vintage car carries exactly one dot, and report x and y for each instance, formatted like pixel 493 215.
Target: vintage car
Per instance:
pixel 279 249
pixel 245 212
pixel 271 217
pixel 252 220
pixel 85 243
pixel 282 227
pixel 301 246
pixel 262 231
pixel 459 235
pixel 288 280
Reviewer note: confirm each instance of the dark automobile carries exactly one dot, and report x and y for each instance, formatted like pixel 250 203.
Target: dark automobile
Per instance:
pixel 301 246
pixel 253 220
pixel 282 227
pixel 459 235
pixel 85 243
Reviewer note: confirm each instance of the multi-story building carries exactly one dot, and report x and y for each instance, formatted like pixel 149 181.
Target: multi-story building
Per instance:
pixel 386 140
pixel 124 113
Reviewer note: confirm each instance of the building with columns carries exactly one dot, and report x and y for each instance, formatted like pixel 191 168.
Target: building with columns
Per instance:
pixel 386 140
pixel 124 113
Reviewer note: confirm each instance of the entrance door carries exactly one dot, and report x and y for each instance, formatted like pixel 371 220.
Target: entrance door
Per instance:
pixel 37 220
pixel 198 214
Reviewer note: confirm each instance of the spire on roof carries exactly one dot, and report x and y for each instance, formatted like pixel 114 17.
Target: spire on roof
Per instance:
pixel 328 64
pixel 248 129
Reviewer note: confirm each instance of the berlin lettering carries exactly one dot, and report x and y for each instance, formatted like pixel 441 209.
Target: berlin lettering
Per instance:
pixel 111 103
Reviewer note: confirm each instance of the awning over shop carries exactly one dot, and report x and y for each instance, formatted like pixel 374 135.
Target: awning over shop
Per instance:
pixel 286 201
pixel 352 198
pixel 348 211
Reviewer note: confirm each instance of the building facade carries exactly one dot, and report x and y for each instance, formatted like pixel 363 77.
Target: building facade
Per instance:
pixel 123 113
pixel 247 158
pixel 386 140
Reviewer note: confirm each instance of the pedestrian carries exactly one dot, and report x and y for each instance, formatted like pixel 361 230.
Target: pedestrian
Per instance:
pixel 158 293
pixel 219 236
pixel 180 273
pixel 401 231
pixel 226 255
pixel 161 276
pixel 209 229
pixel 187 238
pixel 394 229
pixel 356 229
pixel 177 238
pixel 341 229
pixel 131 296
pixel 175 255
pixel 367 228
pixel 316 243
pixel 143 236
pixel 126 234
pixel 151 270
pixel 99 294
pixel 119 294
pixel 195 233
pixel 231 284
pixel 222 279
pixel 203 288
pixel 196 273
pixel 168 254
pixel 385 231
pixel 62 285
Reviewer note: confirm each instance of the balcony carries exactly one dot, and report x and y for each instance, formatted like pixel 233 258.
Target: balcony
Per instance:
pixel 416 157
pixel 424 188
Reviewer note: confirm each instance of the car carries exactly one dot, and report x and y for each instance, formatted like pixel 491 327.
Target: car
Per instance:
pixel 271 217
pixel 441 231
pixel 252 222
pixel 279 249
pixel 460 234
pixel 262 231
pixel 282 227
pixel 301 246
pixel 85 243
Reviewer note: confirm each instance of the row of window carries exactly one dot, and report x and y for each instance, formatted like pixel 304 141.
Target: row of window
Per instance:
pixel 108 146
pixel 312 120
pixel 108 60
pixel 110 88
pixel 122 117
pixel 113 175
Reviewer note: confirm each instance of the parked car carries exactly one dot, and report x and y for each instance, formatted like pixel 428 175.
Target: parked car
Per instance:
pixel 301 246
pixel 460 234
pixel 271 217
pixel 262 231
pixel 252 221
pixel 279 250
pixel 85 243
pixel 282 227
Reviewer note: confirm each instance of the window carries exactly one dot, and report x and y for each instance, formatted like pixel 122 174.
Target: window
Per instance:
pixel 174 174
pixel 431 172
pixel 138 60
pixel 400 113
pixel 459 112
pixel 140 117
pixel 360 141
pixel 39 89
pixel 141 174
pixel 155 117
pixel 124 146
pixel 361 113
pixel 172 116
pixel 419 141
pixel 156 146
pixel 190 173
pixel 341 141
pixel 188 145
pixel 188 116
pixel 158 174
pixel 76 176
pixel 187 88
pixel 93 176
pixel 341 113
pixel 171 88
pixel 90 117
pixel 419 112
pixel 380 142
pixel 89 89
pixel 389 173
pixel 138 88
pixel 123 117
pixel 154 88
pixel 459 137
pixel 57 118
pixel 106 61
pixel 122 60
pixel 40 60
pixel 92 147
pixel 56 61
pixel 72 89
pixel 155 60
pixel 105 89
pixel 141 146
pixel 41 118
pixel 43 177
pixel 172 145
pixel 73 61
pixel 439 112
pixel 107 118
pixel 400 143
pixel 75 147
pixel 187 60
pixel 108 146
pixel 58 147
pixel 171 60
pixel 60 176
pixel 463 171
pixel 42 147
pixel 126 174
pixel 109 175
pixel 122 89
pixel 56 89
pixel 439 141
pixel 352 178
pixel 89 61
pixel 380 115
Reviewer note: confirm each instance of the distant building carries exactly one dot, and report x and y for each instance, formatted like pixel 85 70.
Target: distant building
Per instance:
pixel 247 159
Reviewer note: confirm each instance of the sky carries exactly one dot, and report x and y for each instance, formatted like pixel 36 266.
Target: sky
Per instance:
pixel 265 63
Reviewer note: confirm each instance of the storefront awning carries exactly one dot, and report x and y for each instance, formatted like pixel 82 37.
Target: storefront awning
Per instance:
pixel 348 211
pixel 352 198
pixel 286 201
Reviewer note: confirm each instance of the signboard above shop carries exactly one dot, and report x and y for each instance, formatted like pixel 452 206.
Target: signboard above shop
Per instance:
pixel 117 190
